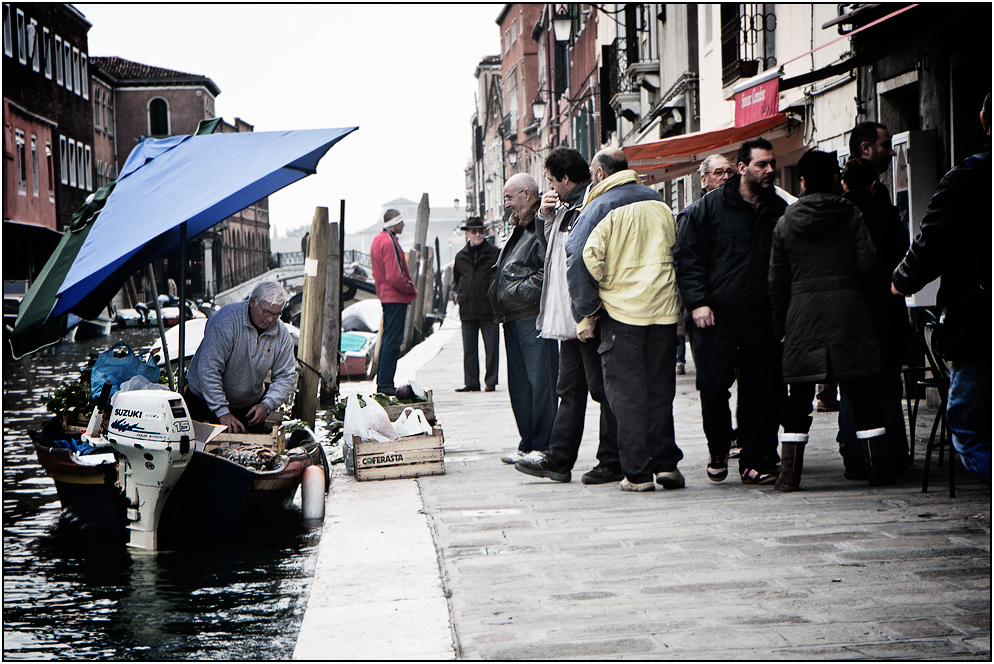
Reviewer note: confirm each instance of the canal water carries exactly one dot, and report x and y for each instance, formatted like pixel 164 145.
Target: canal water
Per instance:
pixel 71 595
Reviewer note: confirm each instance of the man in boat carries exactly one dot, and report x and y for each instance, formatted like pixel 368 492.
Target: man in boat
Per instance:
pixel 243 342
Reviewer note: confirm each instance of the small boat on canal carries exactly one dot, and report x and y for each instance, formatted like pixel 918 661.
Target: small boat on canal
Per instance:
pixel 221 486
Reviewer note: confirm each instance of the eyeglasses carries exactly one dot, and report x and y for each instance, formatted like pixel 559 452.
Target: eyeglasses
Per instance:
pixel 508 199
pixel 269 314
pixel 720 172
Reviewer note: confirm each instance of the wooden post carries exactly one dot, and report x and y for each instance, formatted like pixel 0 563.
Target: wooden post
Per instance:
pixel 331 337
pixel 413 330
pixel 312 316
pixel 412 265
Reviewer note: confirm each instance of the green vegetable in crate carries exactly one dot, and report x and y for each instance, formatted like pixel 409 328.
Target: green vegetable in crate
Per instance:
pixel 68 396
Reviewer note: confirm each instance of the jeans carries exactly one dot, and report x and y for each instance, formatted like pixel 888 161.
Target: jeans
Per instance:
pixel 579 372
pixel 640 381
pixel 471 331
pixel 968 415
pixel 739 348
pixel 394 316
pixel 532 371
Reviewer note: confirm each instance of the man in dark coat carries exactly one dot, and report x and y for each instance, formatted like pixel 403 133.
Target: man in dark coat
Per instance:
pixel 954 243
pixel 471 277
pixel 722 259
pixel 821 257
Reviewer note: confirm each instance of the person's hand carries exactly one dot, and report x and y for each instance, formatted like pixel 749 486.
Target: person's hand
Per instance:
pixel 257 414
pixel 233 423
pixel 588 332
pixel 893 289
pixel 703 316
pixel 550 201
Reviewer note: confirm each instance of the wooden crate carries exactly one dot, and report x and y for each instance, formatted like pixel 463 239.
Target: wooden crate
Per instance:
pixel 411 456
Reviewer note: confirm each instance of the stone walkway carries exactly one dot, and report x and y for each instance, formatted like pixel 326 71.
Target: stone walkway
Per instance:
pixel 533 569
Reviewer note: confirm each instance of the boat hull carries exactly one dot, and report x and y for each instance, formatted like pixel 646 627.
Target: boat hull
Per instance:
pixel 214 496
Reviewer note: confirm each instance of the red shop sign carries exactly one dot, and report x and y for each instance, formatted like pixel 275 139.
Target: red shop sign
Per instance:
pixel 757 103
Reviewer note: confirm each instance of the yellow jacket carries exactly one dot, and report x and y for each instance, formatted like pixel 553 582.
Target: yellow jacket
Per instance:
pixel 629 252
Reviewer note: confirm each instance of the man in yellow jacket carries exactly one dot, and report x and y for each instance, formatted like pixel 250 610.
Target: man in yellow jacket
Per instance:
pixel 620 272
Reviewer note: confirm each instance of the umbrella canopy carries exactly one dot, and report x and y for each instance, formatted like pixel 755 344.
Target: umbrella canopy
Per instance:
pixel 166 183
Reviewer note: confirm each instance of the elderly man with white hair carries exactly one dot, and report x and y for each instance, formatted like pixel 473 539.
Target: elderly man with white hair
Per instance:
pixel 243 343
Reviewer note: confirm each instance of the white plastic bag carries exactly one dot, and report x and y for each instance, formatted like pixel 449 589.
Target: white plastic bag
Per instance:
pixel 365 418
pixel 412 422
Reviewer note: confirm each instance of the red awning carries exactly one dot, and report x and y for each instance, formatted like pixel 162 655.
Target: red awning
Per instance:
pixel 679 155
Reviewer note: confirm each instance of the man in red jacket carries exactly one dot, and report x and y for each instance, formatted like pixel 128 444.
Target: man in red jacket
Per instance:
pixel 396 290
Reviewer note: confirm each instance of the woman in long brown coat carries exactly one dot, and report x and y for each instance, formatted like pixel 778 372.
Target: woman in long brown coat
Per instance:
pixel 821 255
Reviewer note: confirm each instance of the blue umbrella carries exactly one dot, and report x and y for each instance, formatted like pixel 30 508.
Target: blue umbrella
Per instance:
pixel 169 189
pixel 193 180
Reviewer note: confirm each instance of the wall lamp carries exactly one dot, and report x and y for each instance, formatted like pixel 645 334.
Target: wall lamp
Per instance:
pixel 562 23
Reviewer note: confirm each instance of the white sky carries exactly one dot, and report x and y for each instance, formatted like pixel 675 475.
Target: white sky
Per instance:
pixel 402 73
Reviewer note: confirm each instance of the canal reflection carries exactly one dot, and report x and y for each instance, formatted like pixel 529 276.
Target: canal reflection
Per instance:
pixel 68 594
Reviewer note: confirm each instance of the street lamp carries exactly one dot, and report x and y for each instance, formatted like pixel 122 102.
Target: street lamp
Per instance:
pixel 538 108
pixel 562 23
pixel 512 157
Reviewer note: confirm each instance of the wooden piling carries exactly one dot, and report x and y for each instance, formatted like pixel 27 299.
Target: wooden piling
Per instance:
pixel 331 337
pixel 312 316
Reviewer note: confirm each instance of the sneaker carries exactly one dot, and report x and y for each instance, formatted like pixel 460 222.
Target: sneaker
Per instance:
pixel 751 476
pixel 671 479
pixel 542 467
pixel 513 458
pixel 734 452
pixel 639 486
pixel 681 368
pixel 718 468
pixel 830 406
pixel 601 475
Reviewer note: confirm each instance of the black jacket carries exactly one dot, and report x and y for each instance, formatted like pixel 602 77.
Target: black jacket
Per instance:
pixel 516 288
pixel 890 240
pixel 821 260
pixel 723 255
pixel 471 277
pixel 955 243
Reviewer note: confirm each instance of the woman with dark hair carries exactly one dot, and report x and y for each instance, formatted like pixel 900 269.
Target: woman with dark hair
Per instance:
pixel 821 257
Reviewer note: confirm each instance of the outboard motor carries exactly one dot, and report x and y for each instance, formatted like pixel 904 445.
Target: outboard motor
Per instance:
pixel 152 433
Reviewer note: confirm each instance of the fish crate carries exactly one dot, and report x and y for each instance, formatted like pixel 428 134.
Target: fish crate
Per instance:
pixel 410 456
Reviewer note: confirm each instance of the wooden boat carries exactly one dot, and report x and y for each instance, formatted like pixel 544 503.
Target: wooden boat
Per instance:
pixel 357 354
pixel 218 493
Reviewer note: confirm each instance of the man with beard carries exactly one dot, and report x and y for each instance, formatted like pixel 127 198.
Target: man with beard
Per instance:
pixel 722 259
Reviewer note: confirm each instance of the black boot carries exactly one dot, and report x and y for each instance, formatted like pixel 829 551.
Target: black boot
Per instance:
pixel 874 444
pixel 791 461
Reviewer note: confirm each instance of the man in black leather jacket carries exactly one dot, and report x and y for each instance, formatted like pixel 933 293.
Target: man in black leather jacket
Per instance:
pixel 515 292
pixel 954 243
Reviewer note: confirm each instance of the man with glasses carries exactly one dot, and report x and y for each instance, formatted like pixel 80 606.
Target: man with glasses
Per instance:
pixel 515 293
pixel 471 277
pixel 243 343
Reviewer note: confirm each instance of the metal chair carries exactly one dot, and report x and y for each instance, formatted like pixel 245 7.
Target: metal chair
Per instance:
pixel 938 380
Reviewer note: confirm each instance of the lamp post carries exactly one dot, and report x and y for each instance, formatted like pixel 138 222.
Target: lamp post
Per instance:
pixel 562 23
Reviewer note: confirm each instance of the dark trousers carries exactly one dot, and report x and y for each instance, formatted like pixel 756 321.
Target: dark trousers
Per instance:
pixel 862 394
pixel 471 332
pixel 639 365
pixel 580 372
pixel 889 397
pixel 739 348
pixel 394 315
pixel 532 371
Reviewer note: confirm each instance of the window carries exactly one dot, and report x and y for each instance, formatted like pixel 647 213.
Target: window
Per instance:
pixel 34 166
pixel 109 113
pixel 88 168
pixel 514 30
pixel 63 161
pixel 512 94
pixel 507 41
pixel 67 59
pixel 8 35
pixel 96 108
pixel 22 55
pixel 58 59
pixel 51 171
pixel 75 70
pixel 80 172
pixel 521 23
pixel 72 163
pixel 33 53
pixel 158 117
pixel 84 76
pixel 46 53
pixel 748 40
pixel 22 168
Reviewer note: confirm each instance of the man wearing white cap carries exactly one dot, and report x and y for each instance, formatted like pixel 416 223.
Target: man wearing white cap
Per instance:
pixel 396 290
